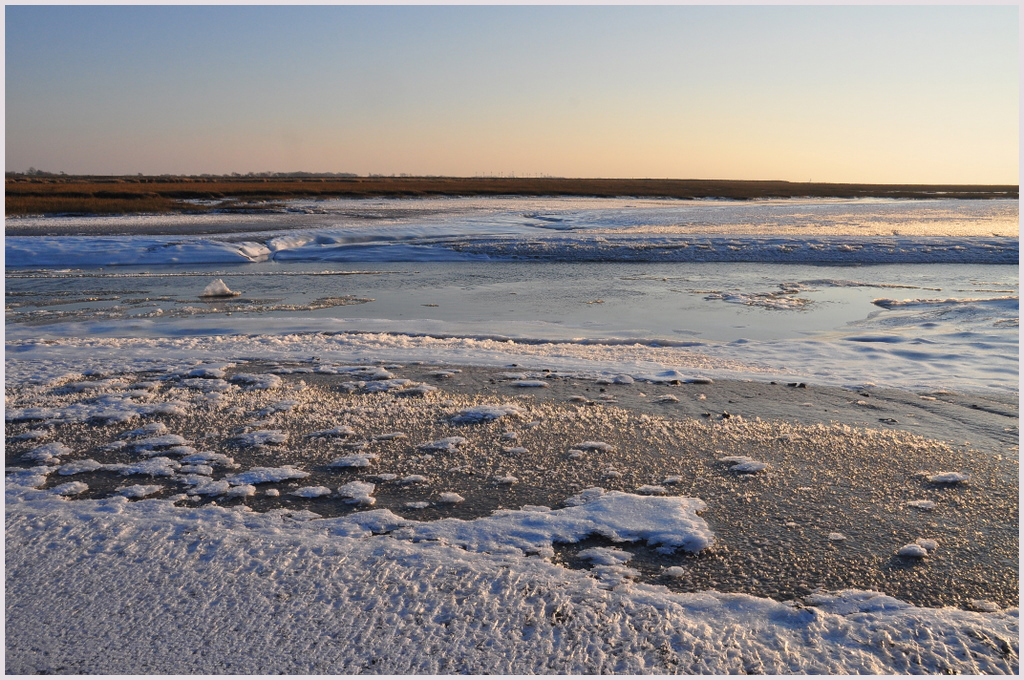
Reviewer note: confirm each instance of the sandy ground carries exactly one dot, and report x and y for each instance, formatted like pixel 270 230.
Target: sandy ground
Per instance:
pixel 838 462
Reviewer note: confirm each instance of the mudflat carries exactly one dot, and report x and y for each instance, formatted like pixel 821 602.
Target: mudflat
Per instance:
pixel 806 487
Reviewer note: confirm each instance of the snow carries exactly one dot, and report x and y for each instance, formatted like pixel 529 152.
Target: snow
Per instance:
pixel 225 590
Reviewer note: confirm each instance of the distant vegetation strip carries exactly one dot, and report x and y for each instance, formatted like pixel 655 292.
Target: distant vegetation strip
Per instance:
pixel 35 195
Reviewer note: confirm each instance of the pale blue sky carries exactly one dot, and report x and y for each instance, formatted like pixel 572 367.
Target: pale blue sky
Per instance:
pixel 886 94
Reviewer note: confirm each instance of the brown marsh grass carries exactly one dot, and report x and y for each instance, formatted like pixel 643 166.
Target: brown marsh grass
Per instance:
pixel 27 195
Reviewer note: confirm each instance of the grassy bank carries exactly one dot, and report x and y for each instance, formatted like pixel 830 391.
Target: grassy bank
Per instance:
pixel 30 195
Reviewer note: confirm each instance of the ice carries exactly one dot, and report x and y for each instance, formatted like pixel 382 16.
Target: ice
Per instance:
pixel 262 475
pixel 243 491
pixel 450 498
pixel 48 453
pixel 140 490
pixel 70 489
pixel 606 556
pixel 339 431
pixel 593 446
pixel 922 505
pixel 159 466
pixel 148 430
pixel 218 289
pixel 912 550
pixel 448 444
pixel 486 413
pixel 211 487
pixel 744 464
pixel 359 493
pixel 529 383
pixel 80 466
pixel 948 477
pixel 356 461
pixel 310 492
pixel 260 438
pixel 250 381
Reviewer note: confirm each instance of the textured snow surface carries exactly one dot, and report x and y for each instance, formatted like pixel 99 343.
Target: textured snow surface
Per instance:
pixel 146 588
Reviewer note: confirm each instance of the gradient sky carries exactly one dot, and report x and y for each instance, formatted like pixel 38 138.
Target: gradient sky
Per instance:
pixel 841 94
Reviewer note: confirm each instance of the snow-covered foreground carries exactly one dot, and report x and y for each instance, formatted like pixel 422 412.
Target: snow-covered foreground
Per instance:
pixel 117 587
pixel 259 485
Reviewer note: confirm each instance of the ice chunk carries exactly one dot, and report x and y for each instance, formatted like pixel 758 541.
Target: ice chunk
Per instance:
pixel 79 466
pixel 451 498
pixel 529 383
pixel 48 453
pixel 359 493
pixel 140 490
pixel 261 475
pixel 606 556
pixel 214 487
pixel 448 444
pixel 948 478
pixel 339 431
pixel 922 505
pixel 243 490
pixel 744 464
pixel 260 438
pixel 358 460
pixel 594 446
pixel 912 550
pixel 486 412
pixel 217 289
pixel 311 492
pixel 70 489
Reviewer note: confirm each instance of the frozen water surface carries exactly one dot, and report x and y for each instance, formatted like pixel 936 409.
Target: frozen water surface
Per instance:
pixel 298 478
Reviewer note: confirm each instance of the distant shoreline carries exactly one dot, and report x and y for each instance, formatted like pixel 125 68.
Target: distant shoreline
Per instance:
pixel 106 195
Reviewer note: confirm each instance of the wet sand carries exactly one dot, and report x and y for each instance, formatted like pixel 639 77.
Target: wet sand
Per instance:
pixel 838 462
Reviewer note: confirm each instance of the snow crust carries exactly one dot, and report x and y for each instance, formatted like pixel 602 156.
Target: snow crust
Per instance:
pixel 273 593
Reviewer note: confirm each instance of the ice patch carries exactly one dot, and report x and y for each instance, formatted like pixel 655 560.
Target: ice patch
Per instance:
pixel 260 438
pixel 311 492
pixel 261 475
pixel 217 289
pixel 948 477
pixel 359 493
pixel 486 413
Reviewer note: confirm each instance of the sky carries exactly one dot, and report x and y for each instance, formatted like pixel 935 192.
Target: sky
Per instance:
pixel 890 94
